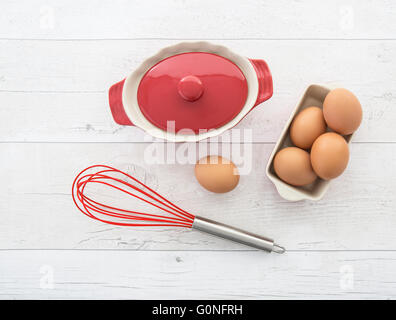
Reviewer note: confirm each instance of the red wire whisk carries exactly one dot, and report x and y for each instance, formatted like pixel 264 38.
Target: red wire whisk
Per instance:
pixel 166 213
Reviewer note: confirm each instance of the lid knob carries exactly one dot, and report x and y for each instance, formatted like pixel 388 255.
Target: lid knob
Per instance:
pixel 190 88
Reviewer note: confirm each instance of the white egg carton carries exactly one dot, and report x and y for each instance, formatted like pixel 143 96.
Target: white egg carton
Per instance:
pixel 314 95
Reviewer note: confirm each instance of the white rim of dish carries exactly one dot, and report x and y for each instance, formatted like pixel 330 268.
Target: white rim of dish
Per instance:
pixel 131 85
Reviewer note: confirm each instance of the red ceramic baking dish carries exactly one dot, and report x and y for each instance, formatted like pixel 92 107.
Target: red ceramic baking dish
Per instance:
pixel 190 91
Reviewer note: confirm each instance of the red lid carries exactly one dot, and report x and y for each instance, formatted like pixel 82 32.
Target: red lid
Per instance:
pixel 197 90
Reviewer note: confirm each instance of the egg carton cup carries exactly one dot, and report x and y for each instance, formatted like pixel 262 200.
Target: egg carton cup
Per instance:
pixel 314 95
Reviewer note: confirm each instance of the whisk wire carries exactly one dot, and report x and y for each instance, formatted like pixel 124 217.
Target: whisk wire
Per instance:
pixel 129 193
pixel 172 205
pixel 88 206
pixel 144 216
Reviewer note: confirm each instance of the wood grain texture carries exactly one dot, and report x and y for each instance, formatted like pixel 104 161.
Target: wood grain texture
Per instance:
pixel 37 208
pixel 57 61
pixel 196 275
pixel 53 66
pixel 198 19
pixel 58 92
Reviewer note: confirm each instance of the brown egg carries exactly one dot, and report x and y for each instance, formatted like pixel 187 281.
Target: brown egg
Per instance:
pixel 216 174
pixel 293 166
pixel 329 155
pixel 342 111
pixel 307 126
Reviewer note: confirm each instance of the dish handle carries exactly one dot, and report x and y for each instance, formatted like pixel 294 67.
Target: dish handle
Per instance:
pixel 116 106
pixel 264 80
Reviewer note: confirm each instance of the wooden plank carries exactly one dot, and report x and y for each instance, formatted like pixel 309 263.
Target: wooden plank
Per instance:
pixel 357 213
pixel 81 66
pixel 64 96
pixel 86 117
pixel 57 61
pixel 196 275
pixel 197 19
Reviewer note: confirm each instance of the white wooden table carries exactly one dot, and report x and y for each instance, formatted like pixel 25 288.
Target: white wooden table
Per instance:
pixel 57 61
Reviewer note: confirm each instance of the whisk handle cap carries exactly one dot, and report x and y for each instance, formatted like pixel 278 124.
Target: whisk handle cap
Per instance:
pixel 227 232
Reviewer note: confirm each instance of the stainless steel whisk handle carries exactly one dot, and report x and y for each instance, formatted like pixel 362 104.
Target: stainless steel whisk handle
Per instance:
pixel 227 232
